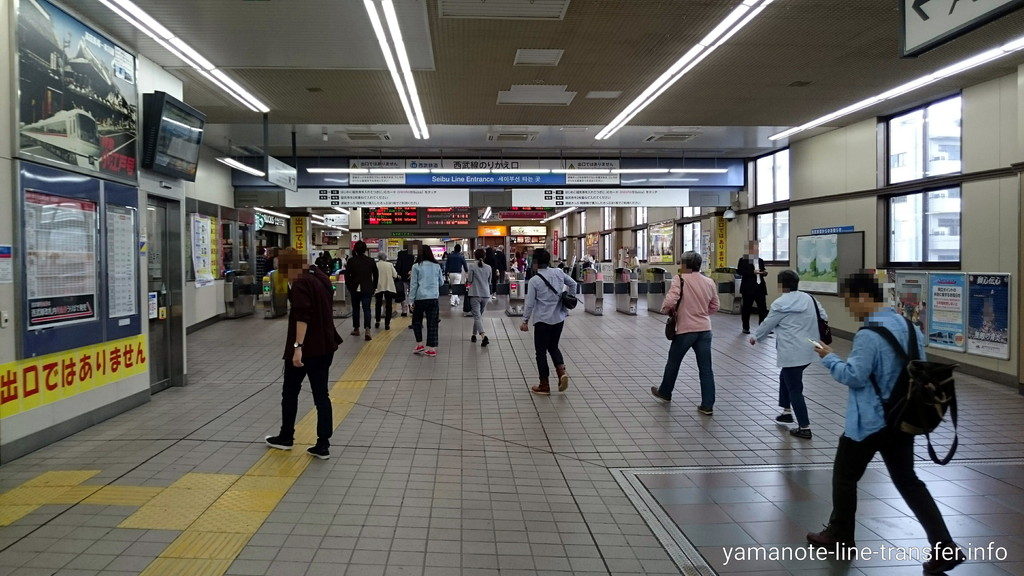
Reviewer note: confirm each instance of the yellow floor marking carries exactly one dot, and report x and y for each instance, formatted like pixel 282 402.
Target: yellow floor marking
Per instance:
pixel 189 566
pixel 47 488
pixel 124 495
pixel 207 545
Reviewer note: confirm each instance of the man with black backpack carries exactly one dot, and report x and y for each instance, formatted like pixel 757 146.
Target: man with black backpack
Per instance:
pixel 875 371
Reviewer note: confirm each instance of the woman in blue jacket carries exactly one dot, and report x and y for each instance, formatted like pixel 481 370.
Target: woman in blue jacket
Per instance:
pixel 424 290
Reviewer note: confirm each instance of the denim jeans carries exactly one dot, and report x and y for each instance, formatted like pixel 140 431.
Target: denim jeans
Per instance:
pixel 791 392
pixel 681 344
pixel 545 341
pixel 477 304
pixel 317 369
pixel 360 300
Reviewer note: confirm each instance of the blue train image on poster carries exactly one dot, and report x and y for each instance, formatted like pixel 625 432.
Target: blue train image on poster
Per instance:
pixel 988 322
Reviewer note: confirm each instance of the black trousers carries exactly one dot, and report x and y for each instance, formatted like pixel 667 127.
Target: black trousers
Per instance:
pixel 360 300
pixel 897 450
pixel 545 341
pixel 387 299
pixel 748 303
pixel 316 368
pixel 430 310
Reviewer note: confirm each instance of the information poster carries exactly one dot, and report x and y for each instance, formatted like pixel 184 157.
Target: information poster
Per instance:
pixel 202 249
pixel 661 243
pixel 817 263
pixel 61 256
pixel 721 243
pixel 122 263
pixel 946 319
pixel 593 244
pixel 78 101
pixel 988 319
pixel 912 296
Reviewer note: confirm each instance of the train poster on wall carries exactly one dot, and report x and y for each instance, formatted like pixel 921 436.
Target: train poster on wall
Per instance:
pixel 78 100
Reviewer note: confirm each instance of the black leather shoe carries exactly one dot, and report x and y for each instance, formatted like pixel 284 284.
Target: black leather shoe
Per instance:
pixel 784 418
pixel 945 557
pixel 828 538
pixel 654 391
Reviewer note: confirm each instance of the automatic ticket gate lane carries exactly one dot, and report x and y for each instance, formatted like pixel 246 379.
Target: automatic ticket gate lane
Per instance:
pixel 657 287
pixel 516 297
pixel 627 292
pixel 593 293
pixel 340 297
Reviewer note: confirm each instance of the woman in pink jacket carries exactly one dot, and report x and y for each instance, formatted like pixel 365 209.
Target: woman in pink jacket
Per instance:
pixel 693 330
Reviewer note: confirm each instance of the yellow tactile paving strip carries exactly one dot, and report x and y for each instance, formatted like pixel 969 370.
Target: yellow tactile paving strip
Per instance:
pixel 217 513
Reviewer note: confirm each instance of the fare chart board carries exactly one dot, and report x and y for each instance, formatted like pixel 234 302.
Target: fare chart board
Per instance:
pixel 456 216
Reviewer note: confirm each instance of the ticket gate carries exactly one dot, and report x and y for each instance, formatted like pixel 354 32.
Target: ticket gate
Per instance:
pixel 593 292
pixel 239 294
pixel 516 298
pixel 658 285
pixel 627 291
pixel 273 295
pixel 340 297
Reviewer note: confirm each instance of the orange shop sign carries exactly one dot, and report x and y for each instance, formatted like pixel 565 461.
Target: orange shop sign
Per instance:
pixel 492 231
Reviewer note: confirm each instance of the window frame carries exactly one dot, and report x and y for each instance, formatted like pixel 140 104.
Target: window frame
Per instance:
pixel 885 121
pixel 637 221
pixel 606 247
pixel 775 184
pixel 607 219
pixel 924 264
pixel 640 240
pixel 774 261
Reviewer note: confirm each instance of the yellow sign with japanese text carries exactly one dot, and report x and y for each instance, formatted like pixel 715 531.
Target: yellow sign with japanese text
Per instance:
pixel 34 382
pixel 300 231
pixel 721 242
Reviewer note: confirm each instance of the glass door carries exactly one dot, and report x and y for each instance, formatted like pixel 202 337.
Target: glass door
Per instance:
pixel 166 341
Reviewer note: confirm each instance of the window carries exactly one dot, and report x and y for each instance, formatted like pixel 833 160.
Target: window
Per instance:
pixel 925 227
pixel 691 211
pixel 606 246
pixel 565 227
pixel 640 216
pixel 773 236
pixel 563 248
pixel 771 178
pixel 606 215
pixel 583 222
pixel 691 237
pixel 581 248
pixel 925 142
pixel 640 240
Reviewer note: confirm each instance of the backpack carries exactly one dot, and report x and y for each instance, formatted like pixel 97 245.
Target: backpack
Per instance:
pixel 922 395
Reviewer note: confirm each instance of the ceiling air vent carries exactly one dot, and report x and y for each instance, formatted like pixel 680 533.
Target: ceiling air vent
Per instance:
pixel 504 9
pixel 536 95
pixel 511 136
pixel 537 57
pixel 368 136
pixel 672 137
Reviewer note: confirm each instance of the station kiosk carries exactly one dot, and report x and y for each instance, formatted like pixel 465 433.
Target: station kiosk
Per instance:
pixel 516 297
pixel 593 292
pixel 273 295
pixel 627 291
pixel 239 294
pixel 658 284
pixel 340 297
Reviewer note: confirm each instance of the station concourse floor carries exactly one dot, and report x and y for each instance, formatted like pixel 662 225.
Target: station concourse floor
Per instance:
pixel 449 466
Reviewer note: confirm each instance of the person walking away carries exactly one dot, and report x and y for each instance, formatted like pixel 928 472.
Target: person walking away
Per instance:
pixel 500 266
pixel 386 291
pixel 794 318
pixel 490 260
pixel 424 291
pixel 479 294
pixel 403 265
pixel 699 300
pixel 866 433
pixel 753 290
pixel 455 266
pixel 361 280
pixel 308 352
pixel 544 305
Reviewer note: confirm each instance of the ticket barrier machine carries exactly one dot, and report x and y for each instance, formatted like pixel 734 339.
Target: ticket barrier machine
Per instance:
pixel 273 296
pixel 239 294
pixel 340 297
pixel 516 297
pixel 593 292
pixel 627 291
pixel 658 285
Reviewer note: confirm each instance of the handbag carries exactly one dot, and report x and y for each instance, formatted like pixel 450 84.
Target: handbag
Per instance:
pixel 568 301
pixel 670 324
pixel 824 330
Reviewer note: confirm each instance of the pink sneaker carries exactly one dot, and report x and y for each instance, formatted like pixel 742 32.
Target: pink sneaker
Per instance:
pixel 431 353
pixel 419 349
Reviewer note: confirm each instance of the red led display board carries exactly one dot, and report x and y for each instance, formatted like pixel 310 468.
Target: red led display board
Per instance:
pixel 401 216
pixel 455 216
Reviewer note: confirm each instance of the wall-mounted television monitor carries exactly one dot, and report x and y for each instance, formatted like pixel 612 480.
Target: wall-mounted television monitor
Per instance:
pixel 172 134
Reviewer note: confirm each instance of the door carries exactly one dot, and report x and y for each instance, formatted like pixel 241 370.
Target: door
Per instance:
pixel 166 341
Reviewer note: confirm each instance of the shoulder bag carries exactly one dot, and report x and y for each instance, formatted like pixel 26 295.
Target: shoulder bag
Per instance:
pixel 670 324
pixel 824 330
pixel 568 301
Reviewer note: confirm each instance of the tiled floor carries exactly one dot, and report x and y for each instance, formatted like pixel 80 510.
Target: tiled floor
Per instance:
pixel 449 466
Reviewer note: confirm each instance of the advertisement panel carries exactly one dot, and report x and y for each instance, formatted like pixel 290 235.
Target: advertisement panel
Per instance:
pixel 946 317
pixel 988 319
pixel 817 263
pixel 389 197
pixel 660 250
pixel 912 297
pixel 202 249
pixel 78 102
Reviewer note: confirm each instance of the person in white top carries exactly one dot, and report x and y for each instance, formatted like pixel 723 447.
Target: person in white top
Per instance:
pixel 386 291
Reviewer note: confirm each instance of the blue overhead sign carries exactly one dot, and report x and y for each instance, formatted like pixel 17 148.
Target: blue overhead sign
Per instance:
pixel 485 179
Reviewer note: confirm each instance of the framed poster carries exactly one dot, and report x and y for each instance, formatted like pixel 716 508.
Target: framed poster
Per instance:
pixel 202 249
pixel 988 315
pixel 912 296
pixel 946 315
pixel 122 263
pixel 660 250
pixel 817 263
pixel 78 100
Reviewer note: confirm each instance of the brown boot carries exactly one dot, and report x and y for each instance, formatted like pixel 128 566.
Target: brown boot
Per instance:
pixel 542 389
pixel 563 378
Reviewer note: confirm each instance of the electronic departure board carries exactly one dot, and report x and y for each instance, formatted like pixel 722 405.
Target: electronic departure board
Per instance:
pixel 401 216
pixel 456 216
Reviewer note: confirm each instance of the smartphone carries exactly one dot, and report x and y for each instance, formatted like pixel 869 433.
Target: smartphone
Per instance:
pixel 816 343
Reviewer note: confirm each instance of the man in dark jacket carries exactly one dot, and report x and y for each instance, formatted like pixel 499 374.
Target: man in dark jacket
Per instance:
pixel 403 265
pixel 361 281
pixel 309 351
pixel 752 286
pixel 500 269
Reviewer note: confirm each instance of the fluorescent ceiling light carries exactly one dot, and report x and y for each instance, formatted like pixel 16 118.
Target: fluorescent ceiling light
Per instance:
pixel 338 170
pixel 559 215
pixel 460 171
pixel 239 166
pixel 699 170
pixel 736 20
pixel 410 105
pixel 581 171
pixel 342 210
pixel 157 31
pixel 272 213
pixel 521 171
pixel 487 214
pixel 951 70
pixel 640 171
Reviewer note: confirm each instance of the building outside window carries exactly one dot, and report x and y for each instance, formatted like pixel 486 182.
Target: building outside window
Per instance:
pixel 565 227
pixel 583 222
pixel 606 215
pixel 925 142
pixel 691 237
pixel 640 216
pixel 563 248
pixel 606 246
pixel 581 247
pixel 772 233
pixel 924 227
pixel 771 178
pixel 640 241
